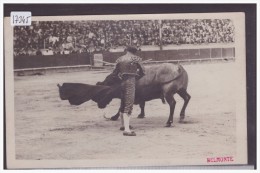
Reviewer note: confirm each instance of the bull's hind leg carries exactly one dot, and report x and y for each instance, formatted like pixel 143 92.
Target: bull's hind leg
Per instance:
pixel 186 97
pixel 171 101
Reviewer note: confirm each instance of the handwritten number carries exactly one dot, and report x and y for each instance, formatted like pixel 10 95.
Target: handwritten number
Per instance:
pixel 21 19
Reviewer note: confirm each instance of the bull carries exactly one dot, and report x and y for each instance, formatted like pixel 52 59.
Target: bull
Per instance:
pixel 160 82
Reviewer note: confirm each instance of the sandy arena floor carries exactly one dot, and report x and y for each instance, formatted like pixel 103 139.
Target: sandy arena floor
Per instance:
pixel 49 128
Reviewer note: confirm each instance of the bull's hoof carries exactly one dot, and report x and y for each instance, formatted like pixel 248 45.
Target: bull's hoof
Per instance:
pixel 168 125
pixel 181 119
pixel 114 118
pixel 123 128
pixel 140 116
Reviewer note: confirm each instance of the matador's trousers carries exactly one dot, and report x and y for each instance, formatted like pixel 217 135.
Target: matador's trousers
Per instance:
pixel 127 94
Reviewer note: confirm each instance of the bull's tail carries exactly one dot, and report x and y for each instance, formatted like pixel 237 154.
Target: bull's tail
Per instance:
pixel 185 77
pixel 181 69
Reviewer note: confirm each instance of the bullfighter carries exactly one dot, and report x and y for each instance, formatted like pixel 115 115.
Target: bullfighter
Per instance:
pixel 129 68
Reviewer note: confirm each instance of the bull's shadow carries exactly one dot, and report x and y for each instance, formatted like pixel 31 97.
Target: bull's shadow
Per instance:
pixel 157 123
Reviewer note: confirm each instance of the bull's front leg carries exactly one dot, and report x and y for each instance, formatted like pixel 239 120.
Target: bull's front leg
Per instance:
pixel 115 117
pixel 142 114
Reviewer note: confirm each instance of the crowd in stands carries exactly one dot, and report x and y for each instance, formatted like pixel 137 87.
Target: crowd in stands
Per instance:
pixel 197 31
pixel 66 37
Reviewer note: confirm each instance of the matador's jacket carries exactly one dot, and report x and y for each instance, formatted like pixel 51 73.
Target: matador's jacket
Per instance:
pixel 128 68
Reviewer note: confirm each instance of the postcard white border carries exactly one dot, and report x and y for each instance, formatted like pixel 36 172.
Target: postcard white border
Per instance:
pixel 241 106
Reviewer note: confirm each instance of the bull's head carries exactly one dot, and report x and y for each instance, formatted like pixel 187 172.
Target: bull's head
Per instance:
pixel 106 96
pixel 110 80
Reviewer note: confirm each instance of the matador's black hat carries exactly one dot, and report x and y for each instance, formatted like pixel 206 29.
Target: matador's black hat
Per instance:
pixel 131 49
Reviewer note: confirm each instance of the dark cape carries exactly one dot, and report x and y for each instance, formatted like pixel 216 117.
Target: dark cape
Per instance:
pixel 78 93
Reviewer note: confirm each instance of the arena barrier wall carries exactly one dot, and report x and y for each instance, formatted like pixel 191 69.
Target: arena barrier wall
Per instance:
pixel 179 53
pixel 23 62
